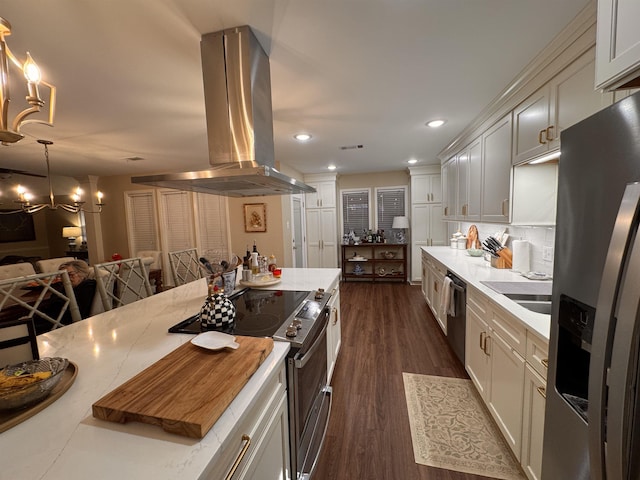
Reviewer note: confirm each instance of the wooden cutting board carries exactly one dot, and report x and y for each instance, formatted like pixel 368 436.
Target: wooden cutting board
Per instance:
pixel 186 391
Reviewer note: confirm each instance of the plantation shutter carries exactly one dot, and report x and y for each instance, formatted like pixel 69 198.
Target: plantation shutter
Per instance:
pixel 390 203
pixel 211 227
pixel 355 211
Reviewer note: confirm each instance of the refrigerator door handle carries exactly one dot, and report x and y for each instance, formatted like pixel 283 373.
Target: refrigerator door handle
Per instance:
pixel 605 326
pixel 623 372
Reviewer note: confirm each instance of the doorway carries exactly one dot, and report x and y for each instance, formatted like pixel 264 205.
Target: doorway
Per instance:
pixel 298 243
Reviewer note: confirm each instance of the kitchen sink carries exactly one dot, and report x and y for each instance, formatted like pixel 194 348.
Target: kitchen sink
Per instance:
pixel 535 302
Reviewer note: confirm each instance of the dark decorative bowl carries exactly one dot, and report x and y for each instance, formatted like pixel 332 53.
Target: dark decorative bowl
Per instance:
pixel 12 398
pixel 388 255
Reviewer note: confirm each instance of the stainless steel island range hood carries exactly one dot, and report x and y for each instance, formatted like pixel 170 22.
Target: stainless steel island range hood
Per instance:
pixel 237 91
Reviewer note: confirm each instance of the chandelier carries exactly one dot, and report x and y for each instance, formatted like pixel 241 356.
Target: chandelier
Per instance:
pixel 11 133
pixel 77 205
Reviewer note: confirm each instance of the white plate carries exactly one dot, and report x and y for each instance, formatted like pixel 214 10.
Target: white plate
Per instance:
pixel 260 283
pixel 215 340
pixel 536 276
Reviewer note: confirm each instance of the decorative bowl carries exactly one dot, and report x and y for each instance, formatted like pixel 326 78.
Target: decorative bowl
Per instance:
pixel 389 255
pixel 20 396
pixel 475 252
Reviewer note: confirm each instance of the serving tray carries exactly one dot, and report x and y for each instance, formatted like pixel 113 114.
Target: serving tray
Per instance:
pixel 11 418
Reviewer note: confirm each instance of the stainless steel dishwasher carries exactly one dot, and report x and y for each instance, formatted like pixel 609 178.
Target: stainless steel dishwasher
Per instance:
pixel 457 322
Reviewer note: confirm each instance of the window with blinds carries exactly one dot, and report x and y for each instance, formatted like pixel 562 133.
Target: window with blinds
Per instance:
pixel 176 220
pixel 390 202
pixel 211 227
pixel 355 211
pixel 141 221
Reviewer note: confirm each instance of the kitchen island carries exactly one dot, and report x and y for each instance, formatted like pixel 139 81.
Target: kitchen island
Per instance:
pixel 64 441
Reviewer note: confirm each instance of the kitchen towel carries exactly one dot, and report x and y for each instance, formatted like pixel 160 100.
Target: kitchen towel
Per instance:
pixel 521 256
pixel 447 298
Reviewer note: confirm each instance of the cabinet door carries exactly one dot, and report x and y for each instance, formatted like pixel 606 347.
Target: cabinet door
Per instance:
pixel 334 334
pixel 314 238
pixel 437 228
pixel 533 423
pixel 530 121
pixel 477 361
pixel 323 197
pixel 270 459
pixel 417 264
pixel 425 278
pixel 328 232
pixel 573 97
pixel 463 180
pixel 474 181
pixel 496 172
pixel 450 192
pixel 506 390
pixel 617 43
pixel 426 188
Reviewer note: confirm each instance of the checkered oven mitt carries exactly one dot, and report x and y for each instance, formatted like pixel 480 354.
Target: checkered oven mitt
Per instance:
pixel 217 312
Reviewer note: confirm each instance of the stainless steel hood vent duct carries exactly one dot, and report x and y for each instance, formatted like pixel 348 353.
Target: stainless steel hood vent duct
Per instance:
pixel 237 92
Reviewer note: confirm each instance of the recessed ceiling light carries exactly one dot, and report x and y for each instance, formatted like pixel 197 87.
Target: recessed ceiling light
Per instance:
pixel 331 167
pixel 412 161
pixel 302 137
pixel 436 123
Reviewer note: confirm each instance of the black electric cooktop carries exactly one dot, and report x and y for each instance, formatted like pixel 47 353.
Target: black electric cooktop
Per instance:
pixel 259 313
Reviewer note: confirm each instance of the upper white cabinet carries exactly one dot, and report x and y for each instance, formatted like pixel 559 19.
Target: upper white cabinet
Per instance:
pixel 568 98
pixel 426 188
pixel 324 196
pixel 450 189
pixel 618 44
pixel 470 182
pixel 496 175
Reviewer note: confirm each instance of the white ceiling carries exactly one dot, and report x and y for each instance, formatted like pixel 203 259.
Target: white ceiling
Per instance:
pixel 369 72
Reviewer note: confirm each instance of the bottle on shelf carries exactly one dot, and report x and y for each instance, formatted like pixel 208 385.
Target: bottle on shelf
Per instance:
pixel 255 249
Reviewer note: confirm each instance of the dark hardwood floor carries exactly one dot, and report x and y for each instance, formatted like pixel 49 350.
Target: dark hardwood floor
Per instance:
pixel 387 329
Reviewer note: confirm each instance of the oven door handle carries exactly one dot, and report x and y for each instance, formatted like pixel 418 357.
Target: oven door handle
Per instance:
pixel 302 361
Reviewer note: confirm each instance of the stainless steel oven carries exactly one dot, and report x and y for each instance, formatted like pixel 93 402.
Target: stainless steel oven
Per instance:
pixel 300 318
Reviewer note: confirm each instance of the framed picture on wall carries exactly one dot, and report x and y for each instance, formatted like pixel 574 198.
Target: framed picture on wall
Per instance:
pixel 255 217
pixel 16 227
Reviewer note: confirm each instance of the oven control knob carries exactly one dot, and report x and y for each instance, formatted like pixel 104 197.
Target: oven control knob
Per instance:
pixel 297 323
pixel 291 331
pixel 319 294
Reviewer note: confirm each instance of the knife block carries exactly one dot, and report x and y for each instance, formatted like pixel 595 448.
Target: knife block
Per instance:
pixel 498 262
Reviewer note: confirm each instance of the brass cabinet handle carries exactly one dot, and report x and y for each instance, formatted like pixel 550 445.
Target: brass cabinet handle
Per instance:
pixel 540 137
pixel 482 340
pixel 487 343
pixel 435 286
pixel 446 211
pixel 336 313
pixel 542 391
pixel 545 362
pixel 505 210
pixel 245 438
pixel 549 135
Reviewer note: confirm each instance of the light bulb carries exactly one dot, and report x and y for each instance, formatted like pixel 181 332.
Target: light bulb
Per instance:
pixel 31 70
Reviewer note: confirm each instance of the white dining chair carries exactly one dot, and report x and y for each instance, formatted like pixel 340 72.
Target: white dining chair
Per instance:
pixel 18 342
pixel 49 265
pixel 122 282
pixel 15 270
pixel 12 296
pixel 185 266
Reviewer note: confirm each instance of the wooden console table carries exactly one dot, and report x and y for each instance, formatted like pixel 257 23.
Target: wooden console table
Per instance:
pixel 367 261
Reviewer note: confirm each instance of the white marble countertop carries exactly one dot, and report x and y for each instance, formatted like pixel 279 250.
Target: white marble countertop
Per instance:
pixel 475 270
pixel 65 442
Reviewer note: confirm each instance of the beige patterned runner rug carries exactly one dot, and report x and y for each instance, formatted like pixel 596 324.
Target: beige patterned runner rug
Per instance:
pixel 450 428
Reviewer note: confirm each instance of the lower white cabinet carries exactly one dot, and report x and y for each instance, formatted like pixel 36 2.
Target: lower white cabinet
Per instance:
pixel 433 274
pixel 258 448
pixel 507 364
pixel 533 423
pixel 334 334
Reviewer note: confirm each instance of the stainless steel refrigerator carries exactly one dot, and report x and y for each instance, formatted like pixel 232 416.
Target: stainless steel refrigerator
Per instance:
pixel 592 419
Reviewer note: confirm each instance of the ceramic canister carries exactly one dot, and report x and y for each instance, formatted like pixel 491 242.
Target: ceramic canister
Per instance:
pixel 218 312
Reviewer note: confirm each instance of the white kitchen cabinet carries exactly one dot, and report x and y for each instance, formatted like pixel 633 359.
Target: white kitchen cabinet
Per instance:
pixel 496 176
pixel 618 44
pixel 334 334
pixel 437 273
pixel 321 220
pixel 324 196
pixel 425 187
pixel 260 441
pixel 505 392
pixel 322 245
pixel 427 227
pixel 477 360
pixel 564 101
pixel 450 189
pixel 469 182
pixel 533 423
pixel 425 277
